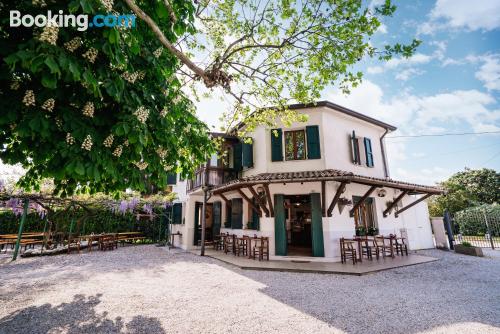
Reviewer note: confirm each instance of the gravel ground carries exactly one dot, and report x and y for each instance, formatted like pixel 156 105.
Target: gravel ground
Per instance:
pixel 146 289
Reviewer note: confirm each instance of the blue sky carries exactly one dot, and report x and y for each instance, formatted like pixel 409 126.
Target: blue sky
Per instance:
pixel 451 85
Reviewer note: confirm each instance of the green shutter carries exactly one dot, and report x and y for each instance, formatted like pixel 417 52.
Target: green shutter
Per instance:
pixel 280 239
pixel 229 213
pixel 171 178
pixel 237 163
pixel 313 146
pixel 177 213
pixel 318 248
pixel 237 213
pixel 276 145
pixel 355 148
pixel 368 152
pixel 247 155
pixel 216 218
pixel 255 217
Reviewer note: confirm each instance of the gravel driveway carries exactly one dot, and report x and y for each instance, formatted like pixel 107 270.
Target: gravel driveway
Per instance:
pixel 146 289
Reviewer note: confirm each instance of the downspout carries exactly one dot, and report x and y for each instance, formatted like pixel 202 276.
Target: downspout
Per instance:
pixel 382 147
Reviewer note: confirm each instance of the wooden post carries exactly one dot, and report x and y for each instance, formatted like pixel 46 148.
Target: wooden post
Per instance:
pixel 412 204
pixel 362 199
pixel 204 211
pixel 269 200
pixel 21 227
pixel 395 202
pixel 228 202
pixel 46 218
pixel 335 199
pixel 245 197
pixel 259 201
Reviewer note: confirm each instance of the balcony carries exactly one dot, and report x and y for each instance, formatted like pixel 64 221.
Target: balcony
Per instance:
pixel 216 176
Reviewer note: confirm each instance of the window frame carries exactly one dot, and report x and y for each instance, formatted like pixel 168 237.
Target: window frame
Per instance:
pixel 295 146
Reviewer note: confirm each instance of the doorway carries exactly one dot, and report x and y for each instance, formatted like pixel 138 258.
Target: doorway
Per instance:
pixel 298 225
pixel 212 221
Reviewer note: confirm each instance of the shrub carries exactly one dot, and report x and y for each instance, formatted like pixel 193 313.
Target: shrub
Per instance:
pixel 472 221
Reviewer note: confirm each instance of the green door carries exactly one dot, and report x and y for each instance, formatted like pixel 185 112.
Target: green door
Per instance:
pixel 318 248
pixel 217 206
pixel 280 239
pixel 197 223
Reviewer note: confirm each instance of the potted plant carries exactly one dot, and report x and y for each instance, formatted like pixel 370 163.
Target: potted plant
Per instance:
pixel 467 249
pixel 372 230
pixel 360 231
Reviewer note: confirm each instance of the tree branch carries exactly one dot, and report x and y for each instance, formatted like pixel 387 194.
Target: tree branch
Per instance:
pixel 209 82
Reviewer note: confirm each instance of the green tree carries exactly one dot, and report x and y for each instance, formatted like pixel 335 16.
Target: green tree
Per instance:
pixel 96 110
pixel 275 52
pixel 103 109
pixel 466 189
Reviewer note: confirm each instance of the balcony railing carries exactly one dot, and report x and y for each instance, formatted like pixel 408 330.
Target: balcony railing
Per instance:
pixel 216 176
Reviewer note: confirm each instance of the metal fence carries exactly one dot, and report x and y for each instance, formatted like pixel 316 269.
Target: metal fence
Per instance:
pixel 477 227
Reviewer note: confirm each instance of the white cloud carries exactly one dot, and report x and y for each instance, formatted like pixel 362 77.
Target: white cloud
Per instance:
pixel 408 73
pixel 375 69
pixel 462 14
pixel 489 72
pixel 428 176
pixel 382 29
pixel 414 114
pixel 416 59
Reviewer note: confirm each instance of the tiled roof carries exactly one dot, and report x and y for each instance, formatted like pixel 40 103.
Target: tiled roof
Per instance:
pixel 325 175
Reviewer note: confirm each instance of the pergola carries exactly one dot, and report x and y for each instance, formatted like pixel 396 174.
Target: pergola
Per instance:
pixel 265 203
pixel 51 204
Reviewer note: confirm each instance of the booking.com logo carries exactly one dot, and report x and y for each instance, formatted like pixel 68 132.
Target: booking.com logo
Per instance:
pixel 80 21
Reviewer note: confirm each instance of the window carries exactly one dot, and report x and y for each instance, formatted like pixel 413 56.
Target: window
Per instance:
pixel 295 145
pixel 361 150
pixel 364 214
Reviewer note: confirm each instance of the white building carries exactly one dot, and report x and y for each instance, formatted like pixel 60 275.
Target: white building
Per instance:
pixel 305 186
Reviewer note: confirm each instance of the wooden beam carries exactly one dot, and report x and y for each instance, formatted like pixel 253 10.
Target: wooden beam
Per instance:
pixel 269 200
pixel 228 202
pixel 362 199
pixel 323 198
pixel 412 204
pixel 249 201
pixel 395 202
pixel 259 200
pixel 336 198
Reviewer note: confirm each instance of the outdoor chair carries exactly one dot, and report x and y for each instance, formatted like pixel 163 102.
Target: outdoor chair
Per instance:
pixel 368 248
pixel 219 242
pixel 108 242
pixel 381 247
pixel 73 242
pixel 261 249
pixel 241 246
pixel 400 245
pixel 347 251
pixel 229 243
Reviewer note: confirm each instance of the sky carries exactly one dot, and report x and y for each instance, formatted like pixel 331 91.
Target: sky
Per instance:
pixel 451 85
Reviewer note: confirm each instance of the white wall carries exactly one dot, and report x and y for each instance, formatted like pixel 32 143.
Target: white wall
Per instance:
pixel 334 131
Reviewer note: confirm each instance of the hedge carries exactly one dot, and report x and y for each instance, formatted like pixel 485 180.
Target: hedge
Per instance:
pixel 471 221
pixel 99 221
